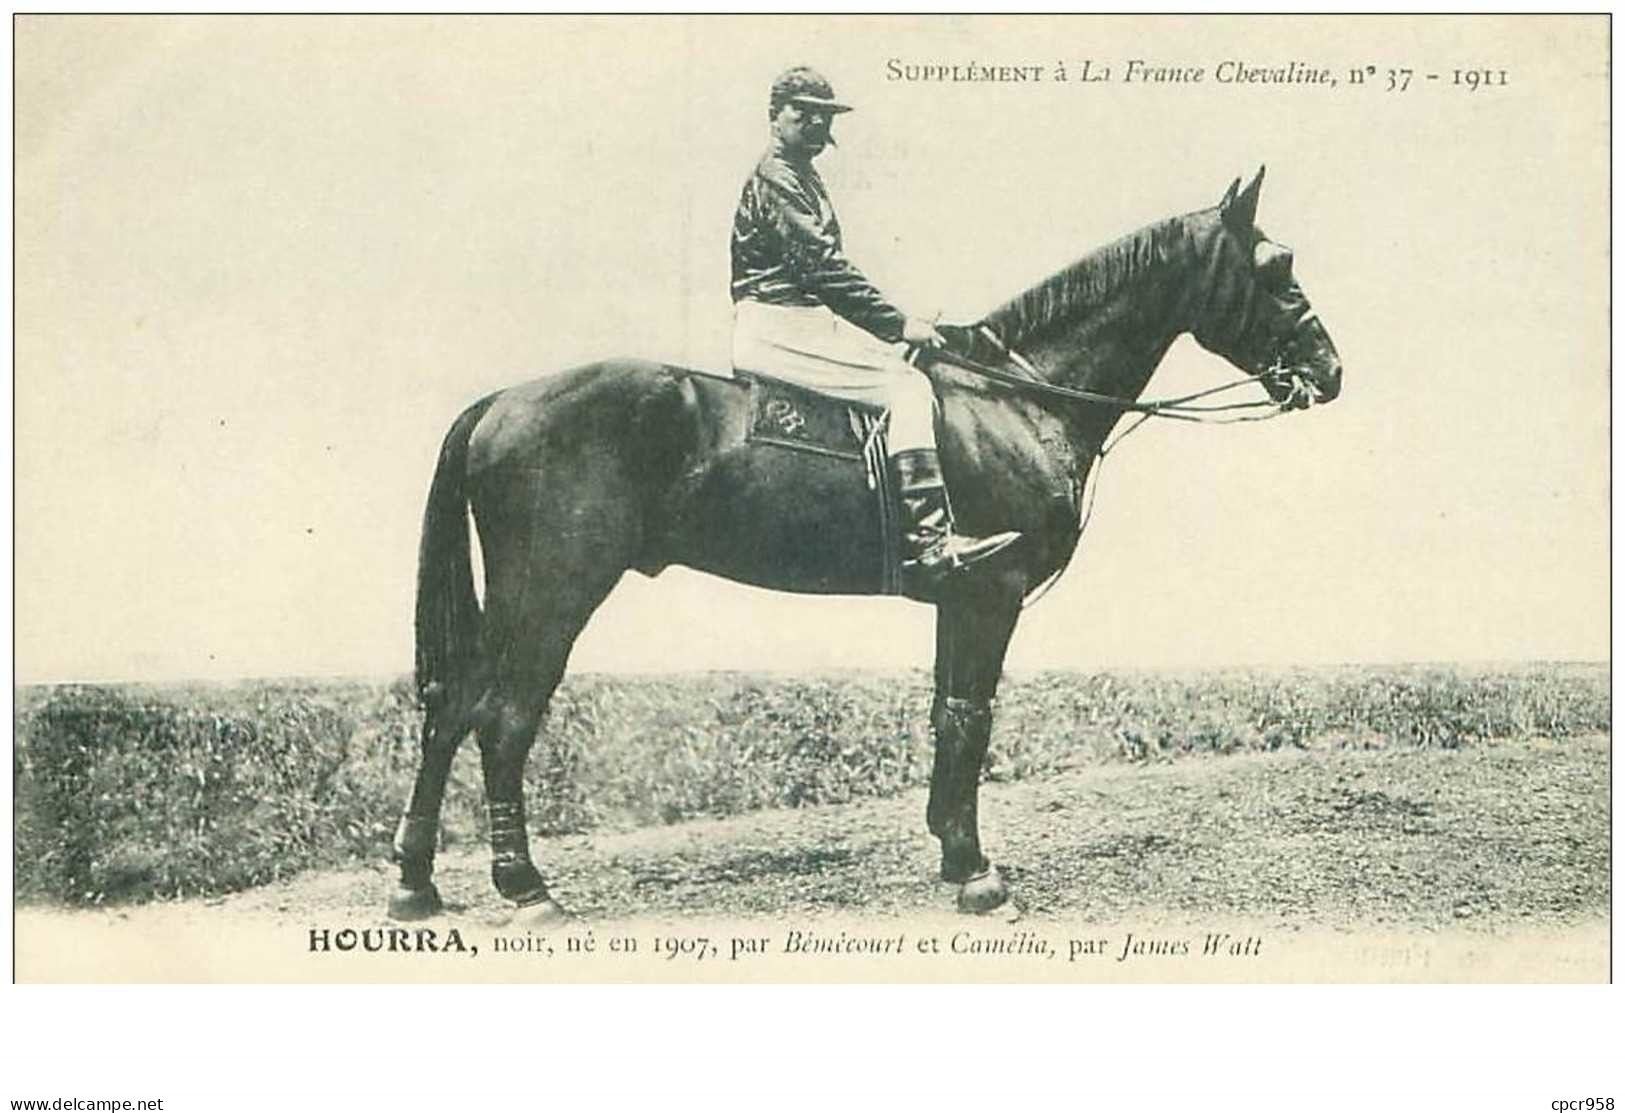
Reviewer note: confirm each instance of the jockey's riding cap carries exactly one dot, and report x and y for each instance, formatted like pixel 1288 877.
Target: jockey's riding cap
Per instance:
pixel 807 87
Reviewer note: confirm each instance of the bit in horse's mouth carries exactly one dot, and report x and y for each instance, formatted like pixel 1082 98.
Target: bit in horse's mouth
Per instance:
pixel 1303 389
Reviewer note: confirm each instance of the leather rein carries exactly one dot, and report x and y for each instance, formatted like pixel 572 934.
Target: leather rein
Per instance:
pixel 1180 408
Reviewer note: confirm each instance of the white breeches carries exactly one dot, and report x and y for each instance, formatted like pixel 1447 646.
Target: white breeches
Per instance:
pixel 813 347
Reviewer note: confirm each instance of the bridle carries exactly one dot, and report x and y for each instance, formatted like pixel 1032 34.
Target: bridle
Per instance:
pixel 1180 408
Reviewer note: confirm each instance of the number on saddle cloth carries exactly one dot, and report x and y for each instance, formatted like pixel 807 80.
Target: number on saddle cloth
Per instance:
pixel 793 417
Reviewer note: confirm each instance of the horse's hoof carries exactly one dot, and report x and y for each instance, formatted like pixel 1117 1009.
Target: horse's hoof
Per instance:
pixel 415 904
pixel 542 915
pixel 984 893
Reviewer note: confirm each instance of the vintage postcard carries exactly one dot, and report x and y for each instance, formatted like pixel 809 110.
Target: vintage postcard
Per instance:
pixel 812 499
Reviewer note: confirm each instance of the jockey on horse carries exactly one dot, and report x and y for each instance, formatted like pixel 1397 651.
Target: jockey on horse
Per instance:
pixel 804 314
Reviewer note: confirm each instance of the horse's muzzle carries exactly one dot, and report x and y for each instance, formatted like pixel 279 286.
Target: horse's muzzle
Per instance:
pixel 1317 366
pixel 1325 382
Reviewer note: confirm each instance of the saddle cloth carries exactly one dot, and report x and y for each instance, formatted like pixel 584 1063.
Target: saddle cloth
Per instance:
pixel 793 417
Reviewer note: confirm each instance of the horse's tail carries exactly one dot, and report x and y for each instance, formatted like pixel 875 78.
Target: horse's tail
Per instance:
pixel 448 613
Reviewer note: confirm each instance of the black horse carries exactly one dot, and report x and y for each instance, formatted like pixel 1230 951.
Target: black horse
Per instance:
pixel 625 464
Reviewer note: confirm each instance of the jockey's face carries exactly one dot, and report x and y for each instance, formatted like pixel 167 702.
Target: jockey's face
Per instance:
pixel 802 130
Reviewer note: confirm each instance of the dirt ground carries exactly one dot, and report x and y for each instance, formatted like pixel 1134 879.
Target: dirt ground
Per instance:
pixel 1487 839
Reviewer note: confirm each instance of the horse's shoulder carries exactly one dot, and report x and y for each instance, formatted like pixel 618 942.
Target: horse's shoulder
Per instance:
pixel 988 420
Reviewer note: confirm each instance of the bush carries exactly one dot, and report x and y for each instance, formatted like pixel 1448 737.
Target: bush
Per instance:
pixel 121 796
pixel 137 792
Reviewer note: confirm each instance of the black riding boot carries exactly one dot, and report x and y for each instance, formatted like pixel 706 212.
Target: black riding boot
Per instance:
pixel 931 549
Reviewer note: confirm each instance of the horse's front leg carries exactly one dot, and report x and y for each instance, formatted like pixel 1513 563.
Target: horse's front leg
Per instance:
pixel 974 625
pixel 961 728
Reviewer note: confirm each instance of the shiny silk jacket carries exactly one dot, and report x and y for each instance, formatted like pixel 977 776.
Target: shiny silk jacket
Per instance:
pixel 787 249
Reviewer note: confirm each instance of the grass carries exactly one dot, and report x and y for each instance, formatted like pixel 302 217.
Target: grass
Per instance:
pixel 133 792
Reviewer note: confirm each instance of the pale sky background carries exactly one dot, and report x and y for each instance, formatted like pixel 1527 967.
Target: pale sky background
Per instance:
pixel 262 263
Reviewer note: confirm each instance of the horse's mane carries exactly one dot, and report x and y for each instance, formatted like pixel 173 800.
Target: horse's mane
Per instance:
pixel 1086 283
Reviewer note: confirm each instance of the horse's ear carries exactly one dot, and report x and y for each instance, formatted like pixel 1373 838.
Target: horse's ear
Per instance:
pixel 1230 195
pixel 1241 211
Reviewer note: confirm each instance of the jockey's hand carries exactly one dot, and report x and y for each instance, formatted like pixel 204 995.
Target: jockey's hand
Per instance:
pixel 917 331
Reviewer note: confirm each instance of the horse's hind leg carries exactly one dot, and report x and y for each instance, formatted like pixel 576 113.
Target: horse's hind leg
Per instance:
pixel 509 718
pixel 542 591
pixel 444 725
